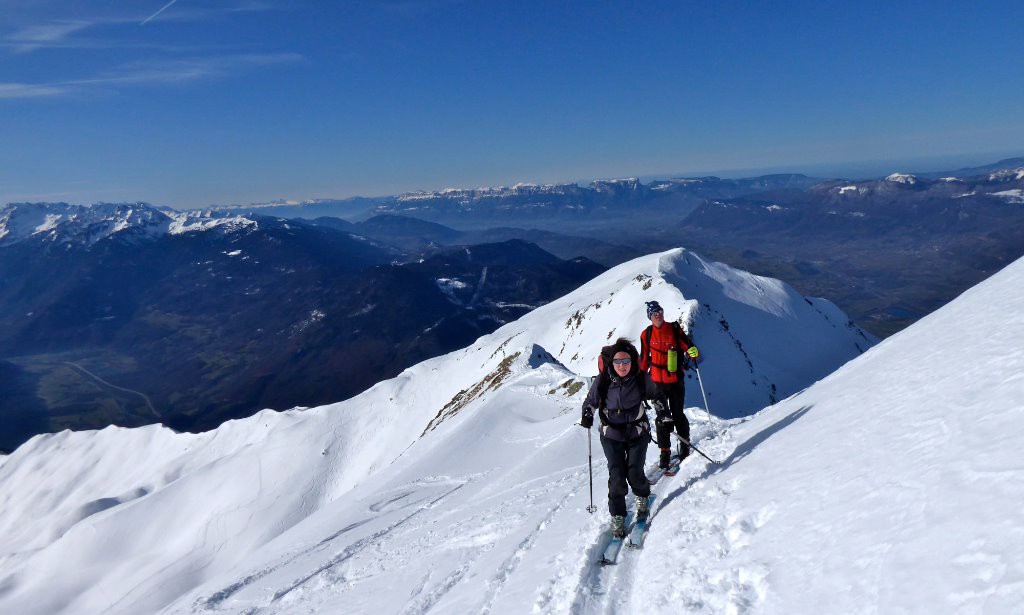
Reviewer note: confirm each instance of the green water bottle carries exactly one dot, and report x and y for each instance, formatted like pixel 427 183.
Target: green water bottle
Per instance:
pixel 673 360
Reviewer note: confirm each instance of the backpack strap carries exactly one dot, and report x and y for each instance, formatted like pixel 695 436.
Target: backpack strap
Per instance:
pixel 645 344
pixel 681 337
pixel 603 382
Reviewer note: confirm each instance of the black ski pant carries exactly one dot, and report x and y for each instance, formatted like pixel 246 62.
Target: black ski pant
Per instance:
pixel 625 463
pixel 675 392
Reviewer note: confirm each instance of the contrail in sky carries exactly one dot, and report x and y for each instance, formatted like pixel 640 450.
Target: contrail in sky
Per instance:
pixel 150 18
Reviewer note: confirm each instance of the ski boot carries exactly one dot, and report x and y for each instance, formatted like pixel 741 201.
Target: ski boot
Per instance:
pixel 663 463
pixel 643 507
pixel 618 526
pixel 683 450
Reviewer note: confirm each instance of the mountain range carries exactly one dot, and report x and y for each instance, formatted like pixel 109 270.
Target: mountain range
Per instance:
pixel 605 202
pixel 888 250
pixel 129 314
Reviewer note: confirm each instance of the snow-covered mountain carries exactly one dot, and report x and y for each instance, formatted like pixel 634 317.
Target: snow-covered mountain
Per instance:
pixel 902 178
pixel 464 467
pixel 893 190
pixel 214 318
pixel 87 224
pixel 602 204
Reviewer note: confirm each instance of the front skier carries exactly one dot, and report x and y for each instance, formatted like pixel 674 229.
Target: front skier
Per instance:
pixel 617 394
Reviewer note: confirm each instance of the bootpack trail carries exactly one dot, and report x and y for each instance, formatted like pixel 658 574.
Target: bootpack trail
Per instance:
pixel 608 587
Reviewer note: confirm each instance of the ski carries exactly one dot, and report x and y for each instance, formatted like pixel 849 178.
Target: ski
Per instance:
pixel 673 466
pixel 611 551
pixel 655 472
pixel 638 533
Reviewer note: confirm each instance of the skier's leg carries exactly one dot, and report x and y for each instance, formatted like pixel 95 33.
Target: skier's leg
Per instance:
pixel 635 458
pixel 676 395
pixel 664 432
pixel 615 453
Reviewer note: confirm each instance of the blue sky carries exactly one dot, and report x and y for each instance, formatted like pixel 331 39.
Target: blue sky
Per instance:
pixel 188 103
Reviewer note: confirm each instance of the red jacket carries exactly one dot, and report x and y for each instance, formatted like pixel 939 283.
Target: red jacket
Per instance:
pixel 655 343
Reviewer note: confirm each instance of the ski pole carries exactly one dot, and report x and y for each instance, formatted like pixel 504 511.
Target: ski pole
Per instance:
pixel 717 463
pixel 700 381
pixel 590 466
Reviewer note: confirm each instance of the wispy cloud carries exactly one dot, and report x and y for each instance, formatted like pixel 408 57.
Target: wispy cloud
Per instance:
pixel 172 72
pixel 30 90
pixel 66 33
pixel 153 16
pixel 34 37
pixel 181 71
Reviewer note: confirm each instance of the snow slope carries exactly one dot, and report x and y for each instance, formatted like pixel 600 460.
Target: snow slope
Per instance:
pixel 892 486
pixel 458 486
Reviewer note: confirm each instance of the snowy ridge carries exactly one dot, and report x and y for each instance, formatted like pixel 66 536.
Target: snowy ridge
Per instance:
pixel 190 223
pixel 739 317
pixel 1007 174
pixel 1016 195
pixel 63 223
pixel 59 222
pixel 467 466
pixel 467 196
pixel 520 189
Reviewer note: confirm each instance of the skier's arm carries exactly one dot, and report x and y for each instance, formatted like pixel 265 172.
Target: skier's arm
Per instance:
pixel 687 344
pixel 590 404
pixel 593 396
pixel 684 339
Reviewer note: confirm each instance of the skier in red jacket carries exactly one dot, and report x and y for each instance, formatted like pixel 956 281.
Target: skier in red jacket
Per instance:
pixel 656 342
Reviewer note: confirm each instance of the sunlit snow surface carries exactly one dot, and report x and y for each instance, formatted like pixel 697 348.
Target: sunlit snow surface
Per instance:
pixel 893 485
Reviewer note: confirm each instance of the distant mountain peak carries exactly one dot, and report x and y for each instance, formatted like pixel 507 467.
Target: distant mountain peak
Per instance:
pixel 520 189
pixel 1006 174
pixel 902 178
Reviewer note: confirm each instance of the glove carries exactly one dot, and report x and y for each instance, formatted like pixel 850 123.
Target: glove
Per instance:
pixel 693 352
pixel 587 420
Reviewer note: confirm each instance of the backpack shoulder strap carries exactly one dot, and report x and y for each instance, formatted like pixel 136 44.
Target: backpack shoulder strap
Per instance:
pixel 603 382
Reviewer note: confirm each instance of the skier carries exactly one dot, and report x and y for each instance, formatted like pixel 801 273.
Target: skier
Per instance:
pixel 617 395
pixel 656 342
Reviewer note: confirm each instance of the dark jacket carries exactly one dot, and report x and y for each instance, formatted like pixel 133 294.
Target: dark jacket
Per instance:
pixel 622 414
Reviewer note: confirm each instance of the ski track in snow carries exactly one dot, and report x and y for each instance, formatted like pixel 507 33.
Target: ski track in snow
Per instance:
pixel 423 603
pixel 510 564
pixel 213 601
pixel 361 544
pixel 611 589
